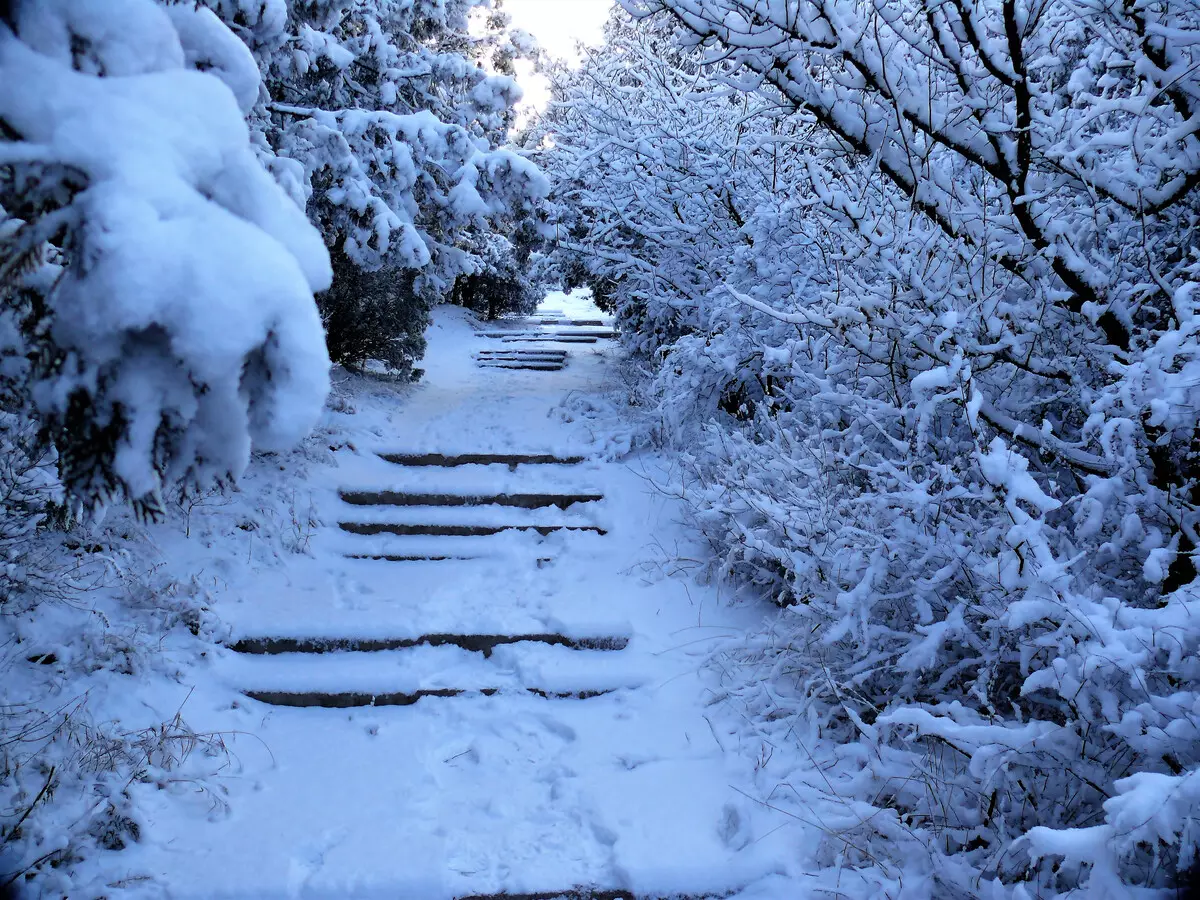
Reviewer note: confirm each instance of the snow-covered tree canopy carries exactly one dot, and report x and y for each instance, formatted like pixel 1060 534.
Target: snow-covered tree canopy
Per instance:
pixel 916 286
pixel 157 284
pixel 388 119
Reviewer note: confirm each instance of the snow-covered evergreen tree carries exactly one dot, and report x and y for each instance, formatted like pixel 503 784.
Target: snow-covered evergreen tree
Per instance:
pixel 157 284
pixel 389 118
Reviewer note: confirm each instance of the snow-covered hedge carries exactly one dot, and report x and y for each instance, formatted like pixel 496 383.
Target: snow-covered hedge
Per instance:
pixel 916 288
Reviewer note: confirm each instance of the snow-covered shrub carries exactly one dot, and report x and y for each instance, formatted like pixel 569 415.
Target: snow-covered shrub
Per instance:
pixel 504 281
pixel 389 119
pixel 916 284
pixel 161 281
pixel 374 315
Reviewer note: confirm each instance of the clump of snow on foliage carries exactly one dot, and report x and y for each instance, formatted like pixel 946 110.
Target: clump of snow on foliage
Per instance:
pixel 182 320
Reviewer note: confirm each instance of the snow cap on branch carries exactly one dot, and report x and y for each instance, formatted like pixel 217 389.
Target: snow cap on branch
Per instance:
pixel 182 325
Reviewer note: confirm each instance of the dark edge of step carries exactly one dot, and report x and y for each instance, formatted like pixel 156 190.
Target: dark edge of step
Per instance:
pixel 558 362
pixel 564 322
pixel 532 333
pixel 351 699
pixel 525 351
pixel 520 501
pixel 426 557
pixel 414 557
pixel 409 530
pixel 537 365
pixel 476 643
pixel 521 366
pixel 521 357
pixel 544 338
pixel 480 459
pixel 594 894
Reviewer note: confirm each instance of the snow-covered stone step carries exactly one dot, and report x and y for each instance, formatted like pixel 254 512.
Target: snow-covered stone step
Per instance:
pixel 521 501
pixel 569 322
pixel 535 338
pixel 406 529
pixel 556 363
pixel 595 893
pixel 371 472
pixel 381 600
pixel 539 353
pixel 521 366
pixel 399 677
pixel 520 547
pixel 525 354
pixel 494 517
pixel 354 699
pixel 511 667
pixel 481 459
pixel 474 480
pixel 522 354
pixel 509 334
pixel 475 643
pixel 525 351
pixel 521 362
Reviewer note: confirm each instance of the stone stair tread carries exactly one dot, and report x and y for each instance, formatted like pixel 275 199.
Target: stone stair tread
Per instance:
pixel 441 622
pixel 595 893
pixel 462 459
pixel 517 366
pixel 431 558
pixel 562 320
pixel 357 699
pixel 521 355
pixel 517 338
pixel 412 557
pixel 526 358
pixel 525 351
pixel 515 356
pixel 474 643
pixel 376 474
pixel 555 363
pixel 559 361
pixel 545 333
pixel 520 500
pixel 459 529
pixel 492 518
pixel 519 547
pixel 551 668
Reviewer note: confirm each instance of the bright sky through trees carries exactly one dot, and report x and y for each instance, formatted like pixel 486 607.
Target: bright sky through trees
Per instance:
pixel 557 25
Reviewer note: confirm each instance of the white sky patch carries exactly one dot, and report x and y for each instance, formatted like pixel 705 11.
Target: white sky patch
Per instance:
pixel 557 25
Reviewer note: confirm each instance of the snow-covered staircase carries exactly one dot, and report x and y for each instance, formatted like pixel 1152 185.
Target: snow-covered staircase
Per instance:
pixel 523 358
pixel 529 336
pixel 465 514
pixel 473 687
pixel 341 672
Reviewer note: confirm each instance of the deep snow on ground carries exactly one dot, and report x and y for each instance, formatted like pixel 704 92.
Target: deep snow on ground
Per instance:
pixel 647 787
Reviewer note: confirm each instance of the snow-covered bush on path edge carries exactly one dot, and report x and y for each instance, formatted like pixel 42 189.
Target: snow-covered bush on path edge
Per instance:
pixel 915 284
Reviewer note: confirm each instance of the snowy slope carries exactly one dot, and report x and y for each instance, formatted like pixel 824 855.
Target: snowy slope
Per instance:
pixel 579 753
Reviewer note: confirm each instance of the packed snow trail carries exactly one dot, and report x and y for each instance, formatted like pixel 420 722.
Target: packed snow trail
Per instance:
pixel 478 682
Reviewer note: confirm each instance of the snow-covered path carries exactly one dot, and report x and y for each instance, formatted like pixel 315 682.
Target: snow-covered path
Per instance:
pixel 483 683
